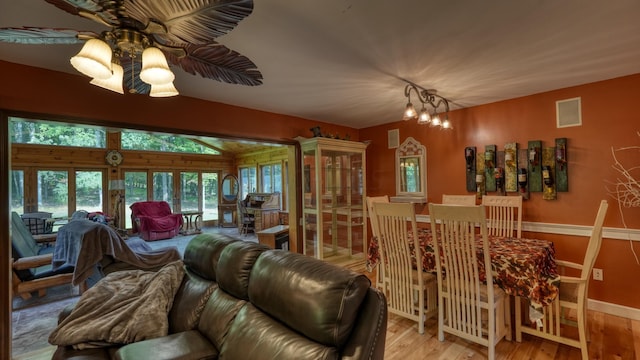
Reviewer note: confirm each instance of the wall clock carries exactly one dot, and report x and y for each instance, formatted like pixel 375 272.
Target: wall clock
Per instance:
pixel 114 158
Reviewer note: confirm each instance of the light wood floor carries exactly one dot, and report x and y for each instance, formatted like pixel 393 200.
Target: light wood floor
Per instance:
pixel 612 337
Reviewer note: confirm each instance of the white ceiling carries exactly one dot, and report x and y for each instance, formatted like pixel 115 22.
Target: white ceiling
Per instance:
pixel 344 61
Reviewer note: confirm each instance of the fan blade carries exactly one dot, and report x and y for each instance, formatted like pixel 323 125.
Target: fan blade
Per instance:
pixel 194 22
pixel 38 36
pixel 90 9
pixel 217 62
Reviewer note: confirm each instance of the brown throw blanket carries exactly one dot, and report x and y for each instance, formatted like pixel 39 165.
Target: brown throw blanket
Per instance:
pixel 84 243
pixel 123 307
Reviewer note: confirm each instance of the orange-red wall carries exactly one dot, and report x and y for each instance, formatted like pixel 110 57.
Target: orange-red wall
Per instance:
pixel 610 118
pixel 37 90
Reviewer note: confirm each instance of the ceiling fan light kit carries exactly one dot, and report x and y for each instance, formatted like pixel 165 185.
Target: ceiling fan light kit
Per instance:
pixel 163 90
pixel 114 82
pixel 144 37
pixel 94 59
pixel 155 70
pixel 426 97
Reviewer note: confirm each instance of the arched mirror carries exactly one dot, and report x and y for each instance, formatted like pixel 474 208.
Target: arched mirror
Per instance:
pixel 411 179
pixel 230 188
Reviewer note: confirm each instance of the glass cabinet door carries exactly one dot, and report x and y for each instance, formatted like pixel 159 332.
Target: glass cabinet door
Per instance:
pixel 334 192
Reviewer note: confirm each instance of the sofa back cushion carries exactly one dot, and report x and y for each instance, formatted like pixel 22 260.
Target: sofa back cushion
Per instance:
pixel 256 335
pixel 189 302
pixel 234 267
pixel 202 254
pixel 317 299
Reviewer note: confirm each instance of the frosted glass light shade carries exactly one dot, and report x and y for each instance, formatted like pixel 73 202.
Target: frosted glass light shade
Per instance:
pixel 424 117
pixel 409 112
pixel 94 59
pixel 435 120
pixel 114 83
pixel 155 70
pixel 163 90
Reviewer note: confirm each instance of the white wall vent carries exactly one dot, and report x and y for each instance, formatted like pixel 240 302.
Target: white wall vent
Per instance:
pixel 569 112
pixel 393 138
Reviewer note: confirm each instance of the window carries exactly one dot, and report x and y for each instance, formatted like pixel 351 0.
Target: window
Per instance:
pixel 53 192
pixel 136 140
pixel 89 194
pixel 163 186
pixel 135 189
pixel 209 196
pixel 23 131
pixel 271 178
pixel 247 181
pixel 189 191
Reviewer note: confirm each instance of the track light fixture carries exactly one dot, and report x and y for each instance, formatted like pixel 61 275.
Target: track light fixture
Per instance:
pixel 430 98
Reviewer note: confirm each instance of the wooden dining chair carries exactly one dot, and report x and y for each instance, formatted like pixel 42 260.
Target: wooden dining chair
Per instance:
pixel 468 200
pixel 371 200
pixel 410 292
pixel 504 215
pixel 571 299
pixel 467 307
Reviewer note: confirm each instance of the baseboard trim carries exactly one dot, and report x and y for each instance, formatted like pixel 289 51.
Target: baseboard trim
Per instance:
pixel 614 309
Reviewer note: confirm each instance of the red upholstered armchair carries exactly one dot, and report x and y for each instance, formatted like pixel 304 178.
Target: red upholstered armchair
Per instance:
pixel 154 220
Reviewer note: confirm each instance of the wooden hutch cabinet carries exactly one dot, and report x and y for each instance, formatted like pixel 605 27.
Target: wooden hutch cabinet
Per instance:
pixel 334 188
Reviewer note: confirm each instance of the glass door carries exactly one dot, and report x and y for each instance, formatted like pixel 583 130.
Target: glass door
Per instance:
pixel 209 198
pixel 185 191
pixel 163 187
pixel 135 189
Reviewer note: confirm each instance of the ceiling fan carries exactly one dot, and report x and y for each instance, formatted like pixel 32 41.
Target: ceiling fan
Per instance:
pixel 142 35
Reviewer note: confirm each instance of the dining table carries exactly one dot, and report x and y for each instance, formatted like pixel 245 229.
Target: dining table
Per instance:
pixel 522 267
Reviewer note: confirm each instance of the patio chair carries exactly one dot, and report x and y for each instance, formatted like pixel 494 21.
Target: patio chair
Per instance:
pixel 38 222
pixel 32 270
pixel 571 298
pixel 467 307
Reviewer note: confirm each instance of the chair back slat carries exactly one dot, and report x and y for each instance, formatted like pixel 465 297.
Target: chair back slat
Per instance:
pixel 504 215
pixel 468 200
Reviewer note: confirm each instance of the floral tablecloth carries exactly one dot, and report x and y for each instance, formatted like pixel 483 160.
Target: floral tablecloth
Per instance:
pixel 521 267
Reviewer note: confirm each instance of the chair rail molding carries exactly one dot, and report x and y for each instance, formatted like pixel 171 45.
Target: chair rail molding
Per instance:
pixel 569 229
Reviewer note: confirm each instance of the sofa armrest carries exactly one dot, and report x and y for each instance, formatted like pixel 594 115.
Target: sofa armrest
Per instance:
pixel 186 345
pixel 367 340
pixel 32 262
